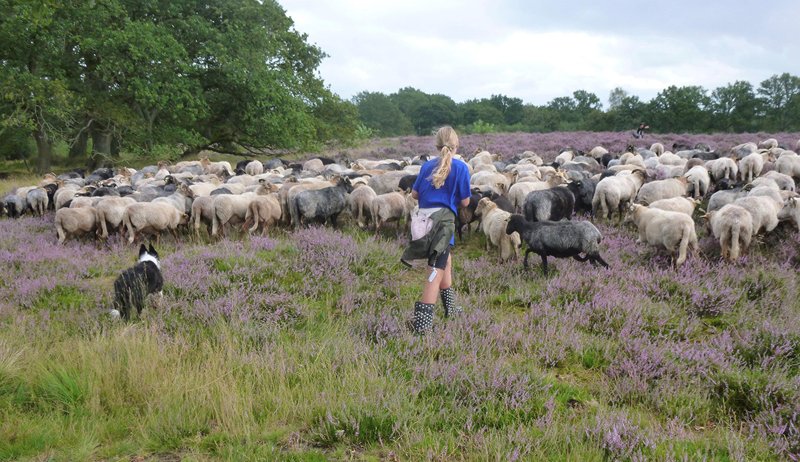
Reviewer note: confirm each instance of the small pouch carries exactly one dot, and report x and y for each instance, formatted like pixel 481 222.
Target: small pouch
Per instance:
pixel 421 223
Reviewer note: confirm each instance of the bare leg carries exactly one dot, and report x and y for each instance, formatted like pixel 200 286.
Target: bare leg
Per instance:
pixel 430 293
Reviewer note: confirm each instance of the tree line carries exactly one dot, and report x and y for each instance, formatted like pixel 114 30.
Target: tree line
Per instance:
pixel 97 77
pixel 739 107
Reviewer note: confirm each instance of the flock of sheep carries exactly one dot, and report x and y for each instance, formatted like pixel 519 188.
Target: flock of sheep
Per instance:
pixel 748 189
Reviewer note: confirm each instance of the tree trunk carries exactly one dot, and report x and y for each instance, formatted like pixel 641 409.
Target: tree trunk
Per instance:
pixel 101 146
pixel 45 150
pixel 78 148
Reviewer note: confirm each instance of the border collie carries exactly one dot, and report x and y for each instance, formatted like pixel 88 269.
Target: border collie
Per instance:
pixel 134 284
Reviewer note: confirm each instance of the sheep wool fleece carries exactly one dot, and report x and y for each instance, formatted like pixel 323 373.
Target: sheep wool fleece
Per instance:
pixel 423 318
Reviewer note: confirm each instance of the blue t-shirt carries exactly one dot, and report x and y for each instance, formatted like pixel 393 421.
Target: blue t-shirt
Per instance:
pixel 454 190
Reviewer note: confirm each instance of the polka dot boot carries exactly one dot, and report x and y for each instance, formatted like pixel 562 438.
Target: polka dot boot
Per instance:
pixel 423 318
pixel 449 301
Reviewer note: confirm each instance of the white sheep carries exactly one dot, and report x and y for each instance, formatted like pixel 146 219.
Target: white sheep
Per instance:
pixel 668 158
pixel 152 218
pixel 203 212
pixel 768 143
pixel 614 192
pixel 674 231
pixel 265 211
pixel 724 167
pixel 788 165
pixel 483 157
pixel 110 212
pixel 74 222
pixel 314 166
pixel 520 190
pixel 230 208
pixel 784 182
pixel 360 201
pixel 388 207
pixel 497 180
pixel 742 150
pixel 37 200
pixel 657 148
pixel 598 152
pixel 791 211
pixel 64 194
pixel 676 204
pixel 698 180
pixel 750 166
pixel 221 168
pixel 733 226
pixel 564 157
pixel 764 211
pixel 254 168
pixel 493 224
pixel 661 189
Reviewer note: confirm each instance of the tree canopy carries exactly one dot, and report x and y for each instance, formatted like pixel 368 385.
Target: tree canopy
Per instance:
pixel 226 75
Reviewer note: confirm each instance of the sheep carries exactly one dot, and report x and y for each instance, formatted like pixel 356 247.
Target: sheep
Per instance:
pixel 14 205
pixel 750 166
pixel 386 182
pixel 289 192
pixel 721 198
pixel 65 194
pixel 314 166
pixel 564 157
pixel 742 150
pixel 673 231
pixel 181 199
pixel 768 143
pixel 583 190
pixel 549 205
pixel 152 217
pixel 669 158
pixel 481 158
pixel 254 168
pixel 388 207
pixel 360 201
pixel 37 200
pixel 698 181
pixel 663 172
pixel 733 226
pixel 519 191
pixel 265 211
pixel 661 189
pixel 614 192
pixel 597 152
pixel 657 148
pixel 203 212
pixel 493 225
pixel 784 182
pixel 74 222
pixel 676 204
pixel 788 165
pixel 558 239
pixel 724 167
pixel 764 211
pixel 233 207
pixel 222 169
pixel 109 213
pixel 497 180
pixel 791 211
pixel 323 204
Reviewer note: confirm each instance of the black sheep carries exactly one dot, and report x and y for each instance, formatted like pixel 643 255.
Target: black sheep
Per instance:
pixel 583 190
pixel 560 239
pixel 322 205
pixel 551 204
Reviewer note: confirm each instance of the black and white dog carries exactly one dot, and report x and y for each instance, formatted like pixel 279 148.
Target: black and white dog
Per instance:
pixel 134 284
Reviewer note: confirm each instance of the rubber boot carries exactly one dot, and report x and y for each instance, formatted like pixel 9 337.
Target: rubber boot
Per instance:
pixel 449 302
pixel 423 318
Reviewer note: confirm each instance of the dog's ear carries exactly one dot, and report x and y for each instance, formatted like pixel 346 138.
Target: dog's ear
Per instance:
pixel 142 250
pixel 153 251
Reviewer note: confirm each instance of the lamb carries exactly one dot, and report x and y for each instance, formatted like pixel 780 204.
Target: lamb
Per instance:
pixel 254 168
pixel 549 205
pixel 733 226
pixel 724 167
pixel 493 225
pixel 673 231
pixel 74 222
pixel 750 166
pixel 389 207
pixel 152 217
pixel 698 180
pixel 661 189
pixel 764 211
pixel 360 201
pixel 265 211
pixel 323 204
pixel 558 239
pixel 614 192
pixel 676 204
pixel 110 211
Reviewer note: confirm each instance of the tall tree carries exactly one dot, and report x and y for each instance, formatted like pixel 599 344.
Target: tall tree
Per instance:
pixel 777 93
pixel 734 107
pixel 680 109
pixel 380 113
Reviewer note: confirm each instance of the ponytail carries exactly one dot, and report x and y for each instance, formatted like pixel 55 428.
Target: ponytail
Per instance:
pixel 446 143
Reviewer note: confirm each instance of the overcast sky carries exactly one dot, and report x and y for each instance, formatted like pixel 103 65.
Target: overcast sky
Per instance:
pixel 540 50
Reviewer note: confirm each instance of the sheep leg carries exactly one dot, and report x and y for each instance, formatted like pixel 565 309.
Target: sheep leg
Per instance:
pixel 544 263
pixel 579 258
pixel 598 259
pixel 525 261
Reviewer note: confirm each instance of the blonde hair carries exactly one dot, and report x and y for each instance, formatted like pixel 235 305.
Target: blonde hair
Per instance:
pixel 446 143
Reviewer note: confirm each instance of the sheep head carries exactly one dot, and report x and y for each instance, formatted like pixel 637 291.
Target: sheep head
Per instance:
pixel 484 205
